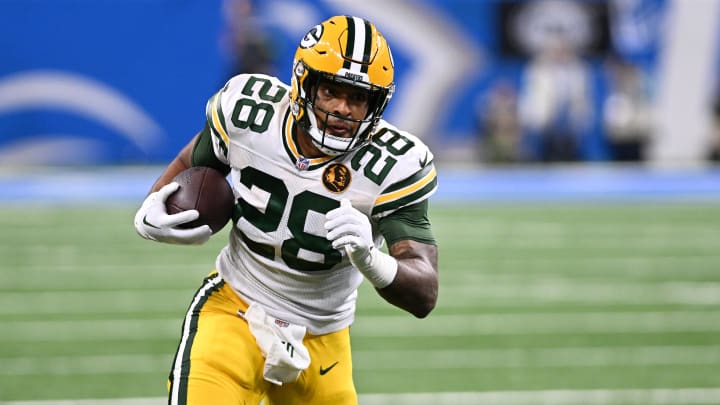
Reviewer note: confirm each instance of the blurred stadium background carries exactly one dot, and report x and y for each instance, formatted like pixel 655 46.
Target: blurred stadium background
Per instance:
pixel 579 219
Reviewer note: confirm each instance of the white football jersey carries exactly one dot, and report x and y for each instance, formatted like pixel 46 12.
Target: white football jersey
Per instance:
pixel 278 254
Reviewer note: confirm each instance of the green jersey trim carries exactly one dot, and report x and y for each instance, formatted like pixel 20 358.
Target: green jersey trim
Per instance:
pixel 415 188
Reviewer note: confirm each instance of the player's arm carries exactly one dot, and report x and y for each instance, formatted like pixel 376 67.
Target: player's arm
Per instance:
pixel 411 243
pixel 415 287
pixel 180 163
pixel 152 220
pixel 198 152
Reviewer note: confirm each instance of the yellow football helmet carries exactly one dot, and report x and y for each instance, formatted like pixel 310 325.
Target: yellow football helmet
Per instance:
pixel 348 50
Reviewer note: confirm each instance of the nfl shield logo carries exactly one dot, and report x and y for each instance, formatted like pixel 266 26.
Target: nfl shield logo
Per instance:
pixel 302 163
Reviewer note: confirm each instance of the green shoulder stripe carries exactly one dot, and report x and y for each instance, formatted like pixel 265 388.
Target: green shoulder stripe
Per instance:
pixel 418 176
pixel 418 195
pixel 415 188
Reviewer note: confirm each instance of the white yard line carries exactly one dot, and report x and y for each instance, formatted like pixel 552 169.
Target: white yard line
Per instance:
pixel 119 401
pixel 513 291
pixel 568 290
pixel 617 265
pixel 685 396
pixel 93 301
pixel 445 359
pixel 657 396
pixel 392 326
pixel 85 365
pixel 576 357
pixel 539 323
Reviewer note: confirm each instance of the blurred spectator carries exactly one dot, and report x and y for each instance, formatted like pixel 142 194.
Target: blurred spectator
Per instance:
pixel 627 114
pixel 555 99
pixel 499 126
pixel 714 152
pixel 249 46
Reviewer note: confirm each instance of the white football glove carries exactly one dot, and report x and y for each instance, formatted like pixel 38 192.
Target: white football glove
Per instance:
pixel 153 222
pixel 350 229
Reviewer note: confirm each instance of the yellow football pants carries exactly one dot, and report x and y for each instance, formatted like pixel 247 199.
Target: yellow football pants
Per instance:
pixel 219 363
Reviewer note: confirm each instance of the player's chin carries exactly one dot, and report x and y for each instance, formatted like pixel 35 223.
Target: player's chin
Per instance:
pixel 339 132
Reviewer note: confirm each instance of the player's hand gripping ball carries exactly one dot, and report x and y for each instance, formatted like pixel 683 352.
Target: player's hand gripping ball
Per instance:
pixel 206 190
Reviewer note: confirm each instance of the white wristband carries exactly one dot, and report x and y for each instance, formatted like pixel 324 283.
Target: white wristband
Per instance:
pixel 380 269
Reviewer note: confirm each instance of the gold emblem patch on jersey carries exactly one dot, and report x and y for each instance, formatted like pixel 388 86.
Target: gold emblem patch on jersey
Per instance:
pixel 336 177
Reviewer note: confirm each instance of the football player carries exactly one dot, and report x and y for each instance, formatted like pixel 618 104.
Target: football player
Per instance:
pixel 321 182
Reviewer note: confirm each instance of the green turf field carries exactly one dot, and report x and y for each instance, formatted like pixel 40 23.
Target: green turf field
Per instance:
pixel 578 299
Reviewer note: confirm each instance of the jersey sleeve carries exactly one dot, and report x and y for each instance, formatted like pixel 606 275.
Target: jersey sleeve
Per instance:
pixel 408 223
pixel 203 153
pixel 215 122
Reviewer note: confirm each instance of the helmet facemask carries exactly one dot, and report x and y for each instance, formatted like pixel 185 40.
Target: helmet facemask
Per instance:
pixel 309 112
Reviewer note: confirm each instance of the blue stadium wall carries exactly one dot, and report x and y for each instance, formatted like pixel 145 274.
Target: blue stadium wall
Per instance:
pixel 125 82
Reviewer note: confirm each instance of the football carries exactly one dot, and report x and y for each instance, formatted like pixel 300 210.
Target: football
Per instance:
pixel 206 190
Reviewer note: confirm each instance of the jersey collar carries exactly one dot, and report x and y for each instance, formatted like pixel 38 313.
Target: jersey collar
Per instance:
pixel 292 148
